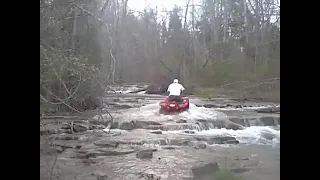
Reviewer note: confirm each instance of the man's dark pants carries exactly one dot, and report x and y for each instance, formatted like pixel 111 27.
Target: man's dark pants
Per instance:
pixel 175 98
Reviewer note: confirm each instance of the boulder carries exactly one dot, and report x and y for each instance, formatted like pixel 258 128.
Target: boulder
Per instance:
pixel 145 154
pixel 79 128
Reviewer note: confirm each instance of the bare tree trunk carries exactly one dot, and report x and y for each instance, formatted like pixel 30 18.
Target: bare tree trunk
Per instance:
pixel 74 31
pixel 185 70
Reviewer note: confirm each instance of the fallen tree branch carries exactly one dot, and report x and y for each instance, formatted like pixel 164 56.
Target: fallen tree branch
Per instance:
pixel 139 90
pixel 60 101
pixel 166 66
pixel 71 95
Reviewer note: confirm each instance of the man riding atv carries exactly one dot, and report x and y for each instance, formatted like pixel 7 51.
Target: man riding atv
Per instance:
pixel 175 90
pixel 174 102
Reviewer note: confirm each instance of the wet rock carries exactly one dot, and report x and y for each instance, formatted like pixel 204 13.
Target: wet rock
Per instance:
pixel 144 124
pixel 145 154
pixel 268 135
pixel 219 140
pixel 51 150
pixel 45 131
pixel 168 147
pixel 154 127
pixel 241 158
pixel 99 126
pixel 140 125
pixel 79 128
pixel 189 132
pixel 65 137
pixel 88 162
pixel 181 121
pixel 267 120
pixel 238 106
pixel 232 125
pixel 122 106
pixel 106 143
pixel 268 110
pixel 115 125
pixel 65 126
pixel 100 121
pixel 156 132
pixel 277 119
pixel 276 110
pixel 163 142
pixel 127 125
pixel 149 175
pixel 205 125
pixel 116 100
pixel 100 175
pixel 180 126
pixel 205 171
pixel 200 146
pixel 227 124
pixel 211 106
pixel 237 120
pixel 50 131
pixel 101 152
pixel 179 142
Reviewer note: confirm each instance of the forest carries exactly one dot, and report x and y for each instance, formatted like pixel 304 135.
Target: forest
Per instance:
pixel 231 46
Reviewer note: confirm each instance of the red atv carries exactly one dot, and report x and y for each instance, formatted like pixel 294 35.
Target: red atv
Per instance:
pixel 173 106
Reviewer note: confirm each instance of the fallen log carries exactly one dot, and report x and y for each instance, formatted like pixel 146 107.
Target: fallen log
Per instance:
pixel 139 90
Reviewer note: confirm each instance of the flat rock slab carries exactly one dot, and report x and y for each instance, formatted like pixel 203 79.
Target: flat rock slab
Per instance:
pixel 145 154
pixel 205 171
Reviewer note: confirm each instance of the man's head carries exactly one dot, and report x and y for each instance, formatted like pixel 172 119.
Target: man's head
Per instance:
pixel 175 81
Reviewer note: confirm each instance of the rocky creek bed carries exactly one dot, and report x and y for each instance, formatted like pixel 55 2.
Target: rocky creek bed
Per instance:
pixel 213 134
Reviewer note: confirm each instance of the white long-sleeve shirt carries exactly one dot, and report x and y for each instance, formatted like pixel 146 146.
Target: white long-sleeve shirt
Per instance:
pixel 175 89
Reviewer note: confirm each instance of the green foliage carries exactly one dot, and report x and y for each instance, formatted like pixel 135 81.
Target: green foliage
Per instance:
pixel 207 92
pixel 42 108
pixel 226 175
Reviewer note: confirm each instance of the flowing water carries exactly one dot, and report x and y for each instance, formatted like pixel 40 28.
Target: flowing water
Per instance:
pixel 182 141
